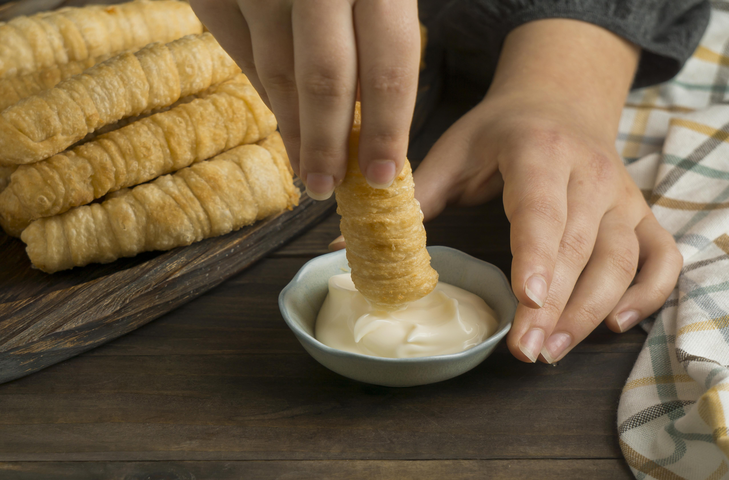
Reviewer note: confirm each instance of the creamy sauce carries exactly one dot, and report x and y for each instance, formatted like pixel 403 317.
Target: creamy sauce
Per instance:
pixel 448 320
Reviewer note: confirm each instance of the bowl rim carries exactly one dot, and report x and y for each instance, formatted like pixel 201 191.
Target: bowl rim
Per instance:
pixel 314 343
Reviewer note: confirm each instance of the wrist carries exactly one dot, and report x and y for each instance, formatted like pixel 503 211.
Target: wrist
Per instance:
pixel 568 65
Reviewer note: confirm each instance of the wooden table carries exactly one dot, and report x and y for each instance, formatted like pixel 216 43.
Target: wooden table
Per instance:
pixel 220 389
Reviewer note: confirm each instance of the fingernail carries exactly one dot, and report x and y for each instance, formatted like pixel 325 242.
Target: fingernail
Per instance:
pixel 536 289
pixel 337 244
pixel 627 319
pixel 319 186
pixel 380 173
pixel 531 343
pixel 555 345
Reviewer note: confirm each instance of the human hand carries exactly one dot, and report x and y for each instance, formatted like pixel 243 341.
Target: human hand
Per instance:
pixel 580 227
pixel 305 59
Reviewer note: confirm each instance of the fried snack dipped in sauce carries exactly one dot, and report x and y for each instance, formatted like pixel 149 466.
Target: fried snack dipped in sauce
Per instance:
pixel 385 234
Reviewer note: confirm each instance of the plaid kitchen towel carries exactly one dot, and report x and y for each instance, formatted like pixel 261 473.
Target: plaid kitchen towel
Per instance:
pixel 673 413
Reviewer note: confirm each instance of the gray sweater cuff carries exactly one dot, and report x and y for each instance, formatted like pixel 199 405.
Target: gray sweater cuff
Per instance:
pixel 667 31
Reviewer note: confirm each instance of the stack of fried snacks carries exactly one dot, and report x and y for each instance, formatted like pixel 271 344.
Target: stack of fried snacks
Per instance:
pixel 123 86
pixel 232 190
pixel 50 39
pixel 225 116
pixel 157 146
pixel 384 233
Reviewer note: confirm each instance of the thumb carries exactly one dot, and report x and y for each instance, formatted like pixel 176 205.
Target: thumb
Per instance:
pixel 454 172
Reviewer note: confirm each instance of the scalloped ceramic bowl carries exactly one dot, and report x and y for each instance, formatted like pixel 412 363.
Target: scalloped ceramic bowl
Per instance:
pixel 302 298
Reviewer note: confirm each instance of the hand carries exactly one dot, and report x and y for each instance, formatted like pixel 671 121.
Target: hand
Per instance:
pixel 580 227
pixel 305 58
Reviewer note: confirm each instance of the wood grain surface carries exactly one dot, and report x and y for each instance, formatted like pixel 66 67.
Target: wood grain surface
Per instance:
pixel 350 469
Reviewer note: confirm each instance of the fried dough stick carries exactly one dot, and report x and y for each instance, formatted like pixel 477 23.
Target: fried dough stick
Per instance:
pixel 48 39
pixel 126 85
pixel 385 234
pixel 235 189
pixel 5 173
pixel 15 88
pixel 226 116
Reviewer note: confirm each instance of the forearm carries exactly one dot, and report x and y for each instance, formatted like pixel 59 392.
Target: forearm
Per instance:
pixel 572 65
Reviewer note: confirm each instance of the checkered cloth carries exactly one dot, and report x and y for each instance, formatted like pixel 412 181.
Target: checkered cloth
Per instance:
pixel 672 418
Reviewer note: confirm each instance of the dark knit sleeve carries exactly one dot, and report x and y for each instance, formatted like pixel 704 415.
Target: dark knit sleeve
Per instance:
pixel 667 31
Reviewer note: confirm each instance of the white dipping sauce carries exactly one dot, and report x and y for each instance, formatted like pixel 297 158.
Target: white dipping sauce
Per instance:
pixel 447 320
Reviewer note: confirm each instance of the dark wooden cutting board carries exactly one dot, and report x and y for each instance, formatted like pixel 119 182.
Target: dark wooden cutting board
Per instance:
pixel 45 319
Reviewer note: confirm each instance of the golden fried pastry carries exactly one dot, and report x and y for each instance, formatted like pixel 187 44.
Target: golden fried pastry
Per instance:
pixel 384 233
pixel 210 198
pixel 126 85
pixel 5 173
pixel 48 39
pixel 225 116
pixel 15 88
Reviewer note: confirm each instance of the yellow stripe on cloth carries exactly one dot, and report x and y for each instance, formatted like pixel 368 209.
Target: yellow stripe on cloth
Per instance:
pixel 714 324
pixel 646 465
pixel 663 108
pixel 719 472
pixel 711 411
pixel 723 243
pixel 701 128
pixel 675 204
pixel 657 380
pixel 703 53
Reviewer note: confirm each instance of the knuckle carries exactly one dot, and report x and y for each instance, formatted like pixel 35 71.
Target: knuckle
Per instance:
pixel 656 294
pixel 324 81
pixel 548 140
pixel 552 308
pixel 319 157
pixel 385 139
pixel 669 252
pixel 281 82
pixel 391 80
pixel 590 314
pixel 576 246
pixel 623 262
pixel 529 252
pixel 545 207
pixel 674 256
pixel 601 167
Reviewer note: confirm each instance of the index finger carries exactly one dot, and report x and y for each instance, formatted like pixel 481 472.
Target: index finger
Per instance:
pixel 388 50
pixel 326 79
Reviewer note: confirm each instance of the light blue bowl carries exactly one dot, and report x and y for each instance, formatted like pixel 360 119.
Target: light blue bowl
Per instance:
pixel 302 298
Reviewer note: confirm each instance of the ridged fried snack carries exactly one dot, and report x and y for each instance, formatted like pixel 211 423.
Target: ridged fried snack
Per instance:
pixel 17 87
pixel 48 39
pixel 226 116
pixel 126 85
pixel 235 189
pixel 5 173
pixel 384 233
